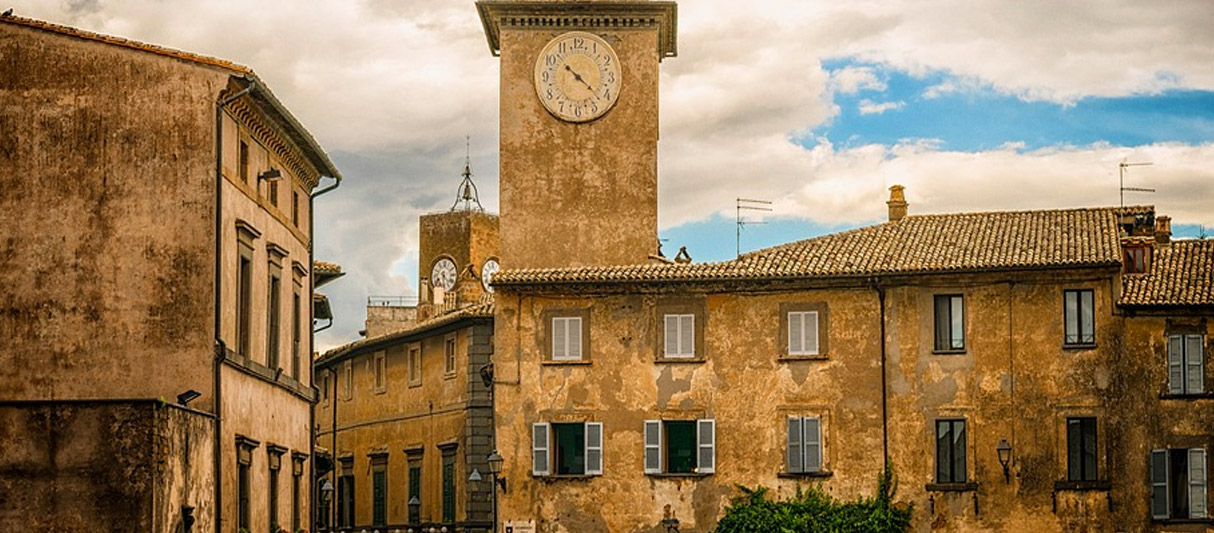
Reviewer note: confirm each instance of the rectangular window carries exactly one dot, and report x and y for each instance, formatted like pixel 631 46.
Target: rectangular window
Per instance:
pixel 415 366
pixel 242 495
pixel 680 336
pixel 296 484
pixel 345 499
pixel 380 361
pixel 567 338
pixel 950 451
pixel 296 334
pixel 272 186
pixel 804 445
pixel 1178 484
pixel 244 162
pixel 449 485
pixel 274 314
pixel 244 301
pixel 349 380
pixel 568 449
pixel 275 464
pixel 1078 316
pixel 1186 365
pixel 950 323
pixel 449 355
pixel 295 208
pixel 415 490
pixel 324 391
pixel 1137 259
pixel 803 333
pixel 1081 449
pixel 680 446
pixel 379 494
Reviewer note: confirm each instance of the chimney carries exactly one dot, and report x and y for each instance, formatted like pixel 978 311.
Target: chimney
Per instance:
pixel 896 203
pixel 1163 230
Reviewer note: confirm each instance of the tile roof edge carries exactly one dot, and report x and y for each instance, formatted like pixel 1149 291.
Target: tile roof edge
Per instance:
pixel 472 312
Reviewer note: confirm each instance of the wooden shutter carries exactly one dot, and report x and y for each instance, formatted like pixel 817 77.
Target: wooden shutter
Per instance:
pixel 594 448
pixel 1197 483
pixel 706 437
pixel 687 335
pixel 672 335
pixel 1194 368
pixel 653 446
pixel 1159 484
pixel 573 337
pixel 810 322
pixel 540 436
pixel 559 342
pixel 795 334
pixel 813 444
pixel 795 465
pixel 1176 364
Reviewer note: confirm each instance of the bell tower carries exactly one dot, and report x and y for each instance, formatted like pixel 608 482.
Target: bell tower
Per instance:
pixel 579 128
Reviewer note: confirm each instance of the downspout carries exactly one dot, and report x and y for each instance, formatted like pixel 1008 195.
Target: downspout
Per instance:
pixel 314 489
pixel 884 389
pixel 220 347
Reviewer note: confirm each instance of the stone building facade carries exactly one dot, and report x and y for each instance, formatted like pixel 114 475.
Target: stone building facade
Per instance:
pixel 406 413
pixel 157 291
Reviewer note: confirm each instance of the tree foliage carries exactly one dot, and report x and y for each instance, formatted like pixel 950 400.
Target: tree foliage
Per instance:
pixel 814 510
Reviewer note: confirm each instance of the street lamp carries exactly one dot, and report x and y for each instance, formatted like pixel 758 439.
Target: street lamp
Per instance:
pixel 326 496
pixel 495 468
pixel 415 510
pixel 1005 456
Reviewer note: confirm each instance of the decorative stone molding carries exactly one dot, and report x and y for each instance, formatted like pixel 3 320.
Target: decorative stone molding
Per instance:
pixel 587 16
pixel 269 136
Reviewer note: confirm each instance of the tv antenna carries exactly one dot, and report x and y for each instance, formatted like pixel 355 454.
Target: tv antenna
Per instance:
pixel 467 193
pixel 1121 174
pixel 744 204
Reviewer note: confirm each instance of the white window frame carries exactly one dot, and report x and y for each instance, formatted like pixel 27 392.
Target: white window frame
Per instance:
pixel 682 321
pixel 451 355
pixel 545 449
pixel 1186 364
pixel 541 449
pixel 798 444
pixel 1197 483
pixel 567 337
pixel 652 440
pixel 802 319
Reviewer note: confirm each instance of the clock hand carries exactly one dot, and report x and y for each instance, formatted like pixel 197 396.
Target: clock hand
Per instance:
pixel 578 78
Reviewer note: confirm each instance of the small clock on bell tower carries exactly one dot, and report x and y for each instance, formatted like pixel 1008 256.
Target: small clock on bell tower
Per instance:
pixel 579 128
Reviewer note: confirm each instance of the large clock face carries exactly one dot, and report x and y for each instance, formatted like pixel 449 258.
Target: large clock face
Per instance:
pixel 487 271
pixel 443 274
pixel 577 76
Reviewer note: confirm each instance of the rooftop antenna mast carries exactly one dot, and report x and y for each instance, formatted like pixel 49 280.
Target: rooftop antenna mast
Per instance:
pixel 467 192
pixel 1121 174
pixel 744 204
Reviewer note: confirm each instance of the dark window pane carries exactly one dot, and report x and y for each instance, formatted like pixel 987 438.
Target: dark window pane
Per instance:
pixel 944 456
pixel 448 487
pixel 570 448
pixel 379 494
pixel 959 451
pixel 1179 482
pixel 942 323
pixel 415 491
pixel 680 446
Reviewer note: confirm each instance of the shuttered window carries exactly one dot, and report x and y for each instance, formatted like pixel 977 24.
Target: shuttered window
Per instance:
pixel 803 333
pixel 706 436
pixel 567 449
pixel 1186 365
pixel 680 336
pixel 680 446
pixel 594 448
pixel 540 444
pixel 653 446
pixel 1079 317
pixel 1178 484
pixel 567 338
pixel 804 445
pixel 449 485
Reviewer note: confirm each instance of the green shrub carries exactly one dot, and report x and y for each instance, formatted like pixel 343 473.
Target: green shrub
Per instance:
pixel 814 510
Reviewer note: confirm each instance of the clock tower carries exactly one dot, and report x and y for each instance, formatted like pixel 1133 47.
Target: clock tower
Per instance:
pixel 579 128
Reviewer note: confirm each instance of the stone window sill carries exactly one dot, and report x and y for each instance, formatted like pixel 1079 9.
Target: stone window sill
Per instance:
pixel 815 357
pixel 1082 485
pixel 952 487
pixel 1178 521
pixel 1086 346
pixel 949 352
pixel 574 362
pixel 679 360
pixel 799 475
pixel 1197 396
pixel 566 477
pixel 676 475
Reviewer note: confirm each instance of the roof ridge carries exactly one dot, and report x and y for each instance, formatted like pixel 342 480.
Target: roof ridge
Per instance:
pixel 125 43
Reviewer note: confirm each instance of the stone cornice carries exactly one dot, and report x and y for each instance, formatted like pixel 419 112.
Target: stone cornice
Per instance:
pixel 266 133
pixel 587 16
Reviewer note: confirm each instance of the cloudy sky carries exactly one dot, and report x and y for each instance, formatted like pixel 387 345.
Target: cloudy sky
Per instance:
pixel 817 106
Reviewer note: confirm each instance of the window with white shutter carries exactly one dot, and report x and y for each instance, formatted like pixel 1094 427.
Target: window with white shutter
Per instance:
pixel 1178 484
pixel 803 333
pixel 804 445
pixel 1186 364
pixel 1159 484
pixel 706 437
pixel 680 336
pixel 566 338
pixel 594 448
pixel 653 446
pixel 540 444
pixel 1197 483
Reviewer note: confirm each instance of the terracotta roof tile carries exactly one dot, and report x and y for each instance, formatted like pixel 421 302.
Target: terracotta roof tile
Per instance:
pixel 325 267
pixel 1182 273
pixel 916 244
pixel 126 43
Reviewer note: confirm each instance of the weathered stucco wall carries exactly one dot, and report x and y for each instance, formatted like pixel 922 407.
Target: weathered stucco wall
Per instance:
pixel 103 466
pixel 601 176
pixel 107 163
pixel 1014 380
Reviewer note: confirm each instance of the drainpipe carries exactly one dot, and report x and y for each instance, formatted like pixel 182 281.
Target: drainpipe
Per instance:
pixel 220 347
pixel 312 348
pixel 884 389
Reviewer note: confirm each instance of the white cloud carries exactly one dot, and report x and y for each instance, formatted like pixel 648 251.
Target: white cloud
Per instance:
pixel 390 89
pixel 869 107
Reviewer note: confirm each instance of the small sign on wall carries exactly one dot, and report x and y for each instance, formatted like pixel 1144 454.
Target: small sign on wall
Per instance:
pixel 519 526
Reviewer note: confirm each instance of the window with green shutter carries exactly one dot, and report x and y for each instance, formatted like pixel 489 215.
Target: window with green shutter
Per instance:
pixel 415 490
pixel 449 485
pixel 379 495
